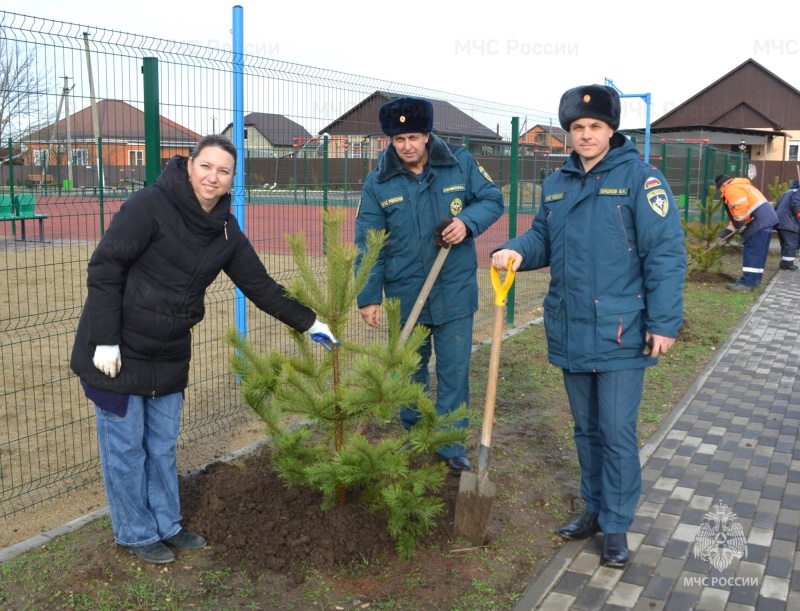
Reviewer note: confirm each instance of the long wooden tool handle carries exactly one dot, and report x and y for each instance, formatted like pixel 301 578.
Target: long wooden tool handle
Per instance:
pixel 494 373
pixel 500 296
pixel 423 294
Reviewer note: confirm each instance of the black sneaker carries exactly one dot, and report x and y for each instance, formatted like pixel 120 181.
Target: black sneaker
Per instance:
pixel 186 540
pixel 155 553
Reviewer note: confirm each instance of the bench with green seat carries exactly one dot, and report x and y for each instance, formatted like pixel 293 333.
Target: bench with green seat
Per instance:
pixel 22 208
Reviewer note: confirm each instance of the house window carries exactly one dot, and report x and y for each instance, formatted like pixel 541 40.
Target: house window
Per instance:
pixel 135 157
pixel 80 156
pixel 793 150
pixel 40 157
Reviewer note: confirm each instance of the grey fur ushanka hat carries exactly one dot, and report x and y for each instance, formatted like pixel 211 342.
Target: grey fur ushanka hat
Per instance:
pixel 592 101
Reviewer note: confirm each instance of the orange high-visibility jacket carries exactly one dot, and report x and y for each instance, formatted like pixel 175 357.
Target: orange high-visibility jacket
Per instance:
pixel 747 205
pixel 742 198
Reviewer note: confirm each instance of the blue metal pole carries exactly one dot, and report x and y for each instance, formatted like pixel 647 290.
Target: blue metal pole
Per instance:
pixel 238 141
pixel 646 98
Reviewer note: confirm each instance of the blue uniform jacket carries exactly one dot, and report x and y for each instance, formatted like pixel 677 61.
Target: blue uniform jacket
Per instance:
pixel 787 209
pixel 454 185
pixel 614 242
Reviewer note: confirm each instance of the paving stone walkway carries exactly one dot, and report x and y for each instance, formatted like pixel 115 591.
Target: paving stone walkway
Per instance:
pixel 718 522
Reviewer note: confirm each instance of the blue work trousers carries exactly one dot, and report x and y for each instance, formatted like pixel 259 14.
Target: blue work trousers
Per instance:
pixel 452 345
pixel 138 456
pixel 754 257
pixel 789 244
pixel 605 407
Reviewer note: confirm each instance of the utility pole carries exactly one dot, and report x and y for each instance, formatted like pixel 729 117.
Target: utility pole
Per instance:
pixel 95 121
pixel 67 90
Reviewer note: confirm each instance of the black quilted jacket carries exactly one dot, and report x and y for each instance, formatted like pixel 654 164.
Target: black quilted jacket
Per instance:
pixel 147 280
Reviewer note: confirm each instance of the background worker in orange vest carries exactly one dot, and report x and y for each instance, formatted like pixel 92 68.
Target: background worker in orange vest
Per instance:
pixel 746 205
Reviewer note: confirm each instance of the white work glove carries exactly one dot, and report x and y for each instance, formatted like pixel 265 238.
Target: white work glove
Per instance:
pixel 321 333
pixel 108 360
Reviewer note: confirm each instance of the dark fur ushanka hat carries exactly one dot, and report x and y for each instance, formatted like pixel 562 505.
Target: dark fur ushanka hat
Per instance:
pixel 592 101
pixel 406 115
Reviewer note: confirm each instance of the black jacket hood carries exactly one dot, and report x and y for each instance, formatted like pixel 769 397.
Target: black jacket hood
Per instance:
pixel 174 182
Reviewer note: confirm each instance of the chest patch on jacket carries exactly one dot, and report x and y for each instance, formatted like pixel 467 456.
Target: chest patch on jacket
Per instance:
pixel 553 197
pixel 456 205
pixel 658 201
pixel 391 201
pixel 621 191
pixel 454 188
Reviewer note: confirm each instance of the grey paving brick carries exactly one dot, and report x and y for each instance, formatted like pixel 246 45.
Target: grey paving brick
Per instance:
pixel 681 601
pixel 637 574
pixel 675 506
pixel 788 532
pixel 765 520
pixel 779 567
pixel 757 553
pixel 591 599
pixel 572 582
pixel 658 588
pixel 770 604
pixel 790 502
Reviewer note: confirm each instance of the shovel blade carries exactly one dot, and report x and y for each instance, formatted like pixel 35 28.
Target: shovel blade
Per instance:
pixel 473 506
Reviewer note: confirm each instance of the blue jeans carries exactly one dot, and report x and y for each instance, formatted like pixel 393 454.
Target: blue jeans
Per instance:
pixel 452 343
pixel 605 407
pixel 140 473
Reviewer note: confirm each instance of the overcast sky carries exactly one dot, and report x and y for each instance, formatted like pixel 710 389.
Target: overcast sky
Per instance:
pixel 517 53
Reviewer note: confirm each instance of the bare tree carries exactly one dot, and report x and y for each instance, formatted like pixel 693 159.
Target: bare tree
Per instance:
pixel 21 82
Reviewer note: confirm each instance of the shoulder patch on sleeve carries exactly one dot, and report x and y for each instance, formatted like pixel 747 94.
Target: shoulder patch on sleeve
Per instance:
pixel 658 201
pixel 651 182
pixel 484 173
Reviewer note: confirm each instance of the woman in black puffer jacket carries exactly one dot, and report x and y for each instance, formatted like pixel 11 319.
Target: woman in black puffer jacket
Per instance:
pixel 146 287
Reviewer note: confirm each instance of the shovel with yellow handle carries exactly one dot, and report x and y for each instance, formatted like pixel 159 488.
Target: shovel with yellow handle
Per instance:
pixel 476 491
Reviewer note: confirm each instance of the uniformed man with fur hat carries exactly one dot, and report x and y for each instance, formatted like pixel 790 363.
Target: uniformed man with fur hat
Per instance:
pixel 419 182
pixel 610 230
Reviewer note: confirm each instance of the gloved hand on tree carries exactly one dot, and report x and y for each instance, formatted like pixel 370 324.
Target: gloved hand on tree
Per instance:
pixel 321 333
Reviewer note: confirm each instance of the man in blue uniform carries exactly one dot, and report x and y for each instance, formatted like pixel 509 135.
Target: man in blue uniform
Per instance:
pixel 610 231
pixel 419 182
pixel 788 212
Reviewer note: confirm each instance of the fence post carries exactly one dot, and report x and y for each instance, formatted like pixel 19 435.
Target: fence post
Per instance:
pixel 237 68
pixel 688 182
pixel 512 208
pixel 100 185
pixel 152 123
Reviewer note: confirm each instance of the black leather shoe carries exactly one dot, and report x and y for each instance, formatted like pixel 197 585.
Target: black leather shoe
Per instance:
pixel 186 540
pixel 156 553
pixel 458 464
pixel 615 550
pixel 582 528
pixel 788 266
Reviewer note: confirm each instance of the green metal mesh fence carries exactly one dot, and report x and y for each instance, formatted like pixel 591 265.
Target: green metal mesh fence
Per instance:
pixel 74 136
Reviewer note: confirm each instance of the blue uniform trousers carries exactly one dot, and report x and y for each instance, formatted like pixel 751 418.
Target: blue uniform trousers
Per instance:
pixel 789 244
pixel 452 344
pixel 754 257
pixel 605 407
